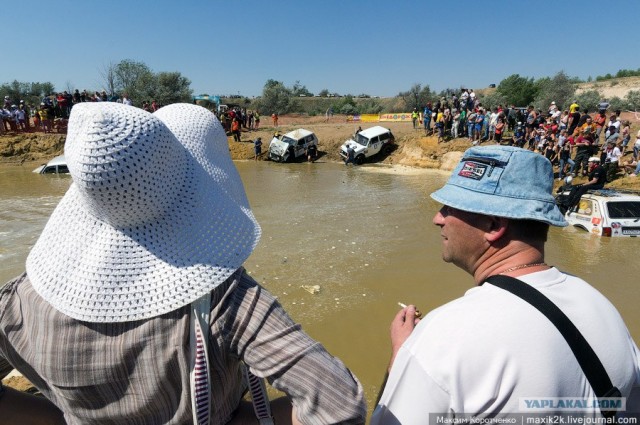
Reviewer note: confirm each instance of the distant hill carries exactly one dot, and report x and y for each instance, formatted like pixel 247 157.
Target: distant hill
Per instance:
pixel 618 87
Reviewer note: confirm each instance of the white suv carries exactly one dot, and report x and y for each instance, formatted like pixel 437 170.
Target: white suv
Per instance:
pixel 607 213
pixel 368 143
pixel 292 145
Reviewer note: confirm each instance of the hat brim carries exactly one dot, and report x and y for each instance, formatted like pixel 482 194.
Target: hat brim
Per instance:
pixel 509 207
pixel 93 271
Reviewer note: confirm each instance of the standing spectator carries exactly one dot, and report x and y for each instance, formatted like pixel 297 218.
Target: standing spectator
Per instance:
pixel 154 106
pixel 21 118
pixel 257 147
pixel 426 118
pixel 600 120
pixel 414 118
pixel 565 156
pixel 351 154
pixel 62 105
pixel 455 123
pixel 274 119
pixel 76 97
pixel 36 118
pixel 626 135
pixel 235 129
pixel 603 106
pixel 471 123
pixel 531 122
pixel 45 118
pixel 256 118
pixel 126 100
pixel 612 161
pixel 583 152
pixel 574 119
pixel 574 107
pixel 500 126
pixel 312 152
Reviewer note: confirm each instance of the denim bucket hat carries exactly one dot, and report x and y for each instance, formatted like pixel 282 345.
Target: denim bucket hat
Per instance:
pixel 503 181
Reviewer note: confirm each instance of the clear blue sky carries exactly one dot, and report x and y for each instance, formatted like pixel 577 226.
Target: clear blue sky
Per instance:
pixel 349 47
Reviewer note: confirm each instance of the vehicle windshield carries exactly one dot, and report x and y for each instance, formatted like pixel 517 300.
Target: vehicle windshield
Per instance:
pixel 624 209
pixel 361 140
pixel 289 140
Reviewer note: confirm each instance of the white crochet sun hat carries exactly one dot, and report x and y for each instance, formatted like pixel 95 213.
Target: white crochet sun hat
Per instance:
pixel 155 218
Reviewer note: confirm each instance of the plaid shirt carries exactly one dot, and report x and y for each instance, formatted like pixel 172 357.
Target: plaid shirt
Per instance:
pixel 138 372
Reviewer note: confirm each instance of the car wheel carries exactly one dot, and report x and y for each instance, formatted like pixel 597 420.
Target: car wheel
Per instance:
pixel 359 159
pixel 387 150
pixel 292 156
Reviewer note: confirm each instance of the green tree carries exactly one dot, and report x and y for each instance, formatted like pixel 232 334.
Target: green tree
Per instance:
pixel 31 93
pixel 417 96
pixel 517 90
pixel 370 106
pixel 493 100
pixel 560 89
pixel 616 103
pixel 276 98
pixel 323 93
pixel 298 90
pixel 133 77
pixel 588 100
pixel 633 100
pixel 172 87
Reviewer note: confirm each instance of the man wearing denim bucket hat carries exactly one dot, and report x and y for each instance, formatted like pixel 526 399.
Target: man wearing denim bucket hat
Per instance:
pixel 491 353
pixel 135 307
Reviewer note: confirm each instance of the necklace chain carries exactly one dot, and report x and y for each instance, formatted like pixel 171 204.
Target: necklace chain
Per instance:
pixel 522 266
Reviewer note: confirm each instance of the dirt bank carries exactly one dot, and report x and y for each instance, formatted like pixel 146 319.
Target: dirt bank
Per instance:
pixel 414 149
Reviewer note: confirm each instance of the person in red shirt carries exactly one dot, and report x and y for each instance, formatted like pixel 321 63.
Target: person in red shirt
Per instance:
pixel 599 120
pixel 235 129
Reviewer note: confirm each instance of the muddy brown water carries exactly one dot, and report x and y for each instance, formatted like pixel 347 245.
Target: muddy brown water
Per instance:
pixel 362 234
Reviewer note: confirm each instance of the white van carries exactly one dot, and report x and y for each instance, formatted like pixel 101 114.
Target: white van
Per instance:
pixel 292 145
pixel 368 143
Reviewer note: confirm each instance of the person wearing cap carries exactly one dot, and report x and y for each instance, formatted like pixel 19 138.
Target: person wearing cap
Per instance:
pixel 135 307
pixel 482 353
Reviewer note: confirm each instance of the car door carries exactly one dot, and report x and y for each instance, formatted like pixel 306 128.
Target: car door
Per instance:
pixel 374 145
pixel 588 215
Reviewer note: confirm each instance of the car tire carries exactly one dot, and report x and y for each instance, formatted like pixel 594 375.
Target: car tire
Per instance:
pixel 292 156
pixel 359 159
pixel 387 150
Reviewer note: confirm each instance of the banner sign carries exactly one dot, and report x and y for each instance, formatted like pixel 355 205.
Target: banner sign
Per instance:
pixel 396 116
pixel 363 118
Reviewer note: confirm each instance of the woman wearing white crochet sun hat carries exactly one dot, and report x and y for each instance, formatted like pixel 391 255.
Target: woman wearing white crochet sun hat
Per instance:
pixel 135 303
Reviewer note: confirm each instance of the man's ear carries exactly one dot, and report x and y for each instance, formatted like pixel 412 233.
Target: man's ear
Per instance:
pixel 496 229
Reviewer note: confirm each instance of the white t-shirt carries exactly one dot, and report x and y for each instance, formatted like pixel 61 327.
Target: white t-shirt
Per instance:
pixel 481 353
pixel 614 154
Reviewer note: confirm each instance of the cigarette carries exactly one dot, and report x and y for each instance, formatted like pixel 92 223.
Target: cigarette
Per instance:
pixel 418 313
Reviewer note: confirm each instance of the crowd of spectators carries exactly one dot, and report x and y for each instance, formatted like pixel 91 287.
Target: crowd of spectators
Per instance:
pixel 53 111
pixel 235 119
pixel 568 138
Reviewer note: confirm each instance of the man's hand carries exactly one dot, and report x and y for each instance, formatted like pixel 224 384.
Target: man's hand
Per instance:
pixel 401 327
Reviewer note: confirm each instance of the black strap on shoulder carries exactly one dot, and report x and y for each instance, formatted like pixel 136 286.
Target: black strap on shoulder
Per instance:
pixel 587 358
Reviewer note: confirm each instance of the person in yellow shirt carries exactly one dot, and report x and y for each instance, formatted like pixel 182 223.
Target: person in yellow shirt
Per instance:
pixel 573 107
